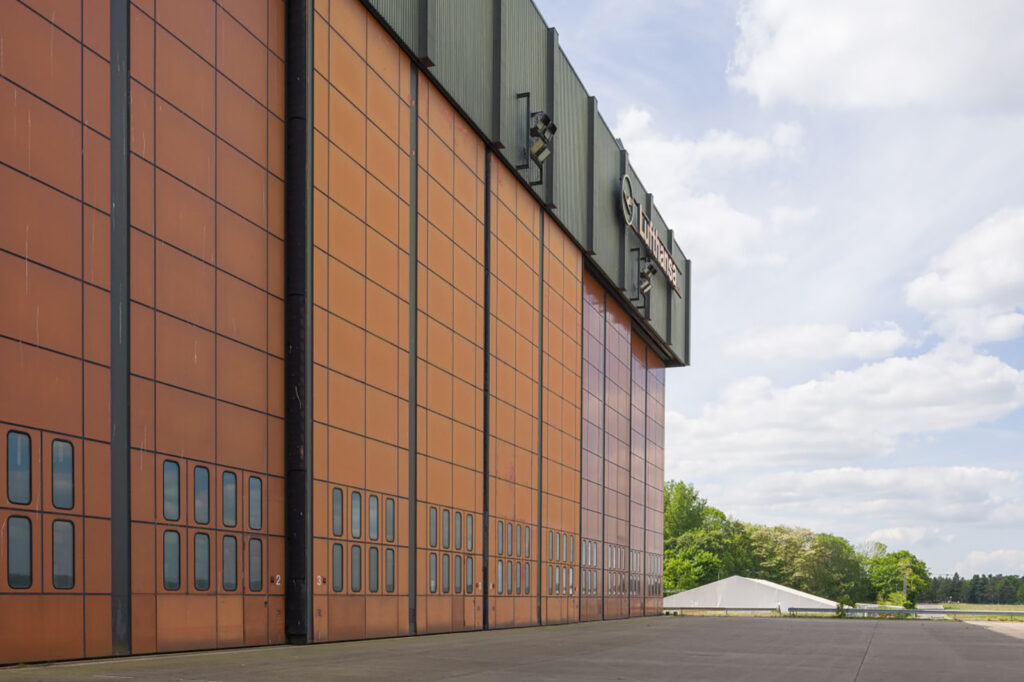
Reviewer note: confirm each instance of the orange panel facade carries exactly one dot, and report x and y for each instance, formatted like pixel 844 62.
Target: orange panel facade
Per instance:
pixel 207 346
pixel 54 333
pixel 485 419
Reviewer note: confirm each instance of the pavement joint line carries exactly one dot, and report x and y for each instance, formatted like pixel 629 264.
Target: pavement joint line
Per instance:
pixel 866 650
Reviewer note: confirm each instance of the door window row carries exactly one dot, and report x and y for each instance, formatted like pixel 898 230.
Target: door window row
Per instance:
pixel 458 536
pixel 590 581
pixel 201 503
pixel 201 562
pixel 616 557
pixel 355 568
pixel 451 577
pixel 19 471
pixel 561 547
pixel 355 514
pixel 513 578
pixel 560 581
pixel 513 539
pixel 19 553
pixel 617 584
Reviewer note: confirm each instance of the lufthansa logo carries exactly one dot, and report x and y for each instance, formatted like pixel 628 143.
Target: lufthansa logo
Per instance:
pixel 629 205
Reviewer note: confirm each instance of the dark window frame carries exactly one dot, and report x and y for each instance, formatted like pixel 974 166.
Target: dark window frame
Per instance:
pixel 53 553
pixel 28 457
pixel 11 553
pixel 355 555
pixel 53 474
pixel 389 519
pixel 255 577
pixel 197 495
pixel 233 497
pixel 373 570
pixel 373 517
pixel 257 496
pixel 356 514
pixel 168 585
pixel 225 585
pixel 338 512
pixel 337 567
pixel 196 564
pixel 166 499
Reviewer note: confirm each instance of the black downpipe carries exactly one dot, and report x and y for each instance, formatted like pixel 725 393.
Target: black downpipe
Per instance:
pixel 487 389
pixel 120 336
pixel 298 324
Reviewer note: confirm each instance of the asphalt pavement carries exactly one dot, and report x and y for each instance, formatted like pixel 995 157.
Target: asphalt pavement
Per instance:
pixel 663 648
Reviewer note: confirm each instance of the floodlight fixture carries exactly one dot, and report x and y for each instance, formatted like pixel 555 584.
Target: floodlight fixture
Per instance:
pixel 539 151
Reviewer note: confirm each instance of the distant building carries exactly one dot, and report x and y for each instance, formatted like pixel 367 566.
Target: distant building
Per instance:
pixel 746 593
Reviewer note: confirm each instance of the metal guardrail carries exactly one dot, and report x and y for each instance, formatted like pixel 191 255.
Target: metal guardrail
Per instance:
pixel 905 612
pixel 722 609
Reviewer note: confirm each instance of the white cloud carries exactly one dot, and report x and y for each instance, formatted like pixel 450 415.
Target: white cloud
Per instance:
pixel 911 505
pixel 975 289
pixel 881 54
pixel 1005 561
pixel 716 151
pixel 816 341
pixel 783 216
pixel 902 536
pixel 845 414
pixel 674 169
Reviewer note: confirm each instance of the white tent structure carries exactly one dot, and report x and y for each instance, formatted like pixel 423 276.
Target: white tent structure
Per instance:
pixel 745 593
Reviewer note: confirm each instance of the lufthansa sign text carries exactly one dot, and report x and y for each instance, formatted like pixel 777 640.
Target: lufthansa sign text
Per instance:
pixel 636 218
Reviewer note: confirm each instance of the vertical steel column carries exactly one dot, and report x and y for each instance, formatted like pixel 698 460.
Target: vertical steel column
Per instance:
pixel 604 445
pixel 487 388
pixel 414 162
pixel 120 336
pixel 540 422
pixel 298 323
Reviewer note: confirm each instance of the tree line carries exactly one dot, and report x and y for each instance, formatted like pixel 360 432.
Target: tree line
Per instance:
pixel 703 545
pixel 979 589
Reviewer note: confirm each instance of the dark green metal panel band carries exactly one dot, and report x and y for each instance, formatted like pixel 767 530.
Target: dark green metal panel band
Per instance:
pixel 298 323
pixel 120 460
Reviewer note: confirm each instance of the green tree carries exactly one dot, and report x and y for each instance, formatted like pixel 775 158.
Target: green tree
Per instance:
pixel 888 571
pixel 684 509
pixel 829 567
pixel 717 547
pixel 776 551
pixel 686 571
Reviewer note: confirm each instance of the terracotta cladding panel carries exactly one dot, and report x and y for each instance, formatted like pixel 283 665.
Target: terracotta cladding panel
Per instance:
pixel 56 344
pixel 210 278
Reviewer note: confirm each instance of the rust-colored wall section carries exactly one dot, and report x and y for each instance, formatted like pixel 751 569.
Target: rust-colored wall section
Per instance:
pixel 361 199
pixel 562 363
pixel 514 396
pixel 637 468
pixel 207 311
pixel 450 367
pixel 54 331
pixel 655 493
pixel 592 555
pixel 616 461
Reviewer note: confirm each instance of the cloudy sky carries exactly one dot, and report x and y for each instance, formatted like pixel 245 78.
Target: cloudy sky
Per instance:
pixel 848 179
